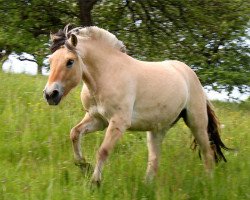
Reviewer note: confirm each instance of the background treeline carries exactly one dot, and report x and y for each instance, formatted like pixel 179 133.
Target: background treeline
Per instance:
pixel 212 36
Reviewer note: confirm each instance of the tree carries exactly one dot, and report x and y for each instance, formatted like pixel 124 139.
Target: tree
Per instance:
pixel 86 7
pixel 208 35
pixel 26 24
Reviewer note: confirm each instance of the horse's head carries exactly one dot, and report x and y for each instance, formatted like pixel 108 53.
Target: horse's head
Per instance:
pixel 65 70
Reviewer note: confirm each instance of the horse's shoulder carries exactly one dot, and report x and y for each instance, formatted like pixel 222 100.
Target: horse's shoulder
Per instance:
pixel 86 98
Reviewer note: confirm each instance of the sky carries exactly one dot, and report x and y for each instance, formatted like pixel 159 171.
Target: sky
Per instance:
pixel 14 65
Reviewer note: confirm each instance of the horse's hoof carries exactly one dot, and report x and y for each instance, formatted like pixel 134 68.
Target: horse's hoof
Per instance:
pixel 85 167
pixel 95 183
pixel 94 186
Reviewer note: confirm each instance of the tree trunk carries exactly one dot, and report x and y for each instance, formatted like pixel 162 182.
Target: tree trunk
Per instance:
pixel 85 11
pixel 3 57
pixel 39 61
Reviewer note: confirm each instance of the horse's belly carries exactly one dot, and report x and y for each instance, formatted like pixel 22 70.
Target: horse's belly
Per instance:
pixel 153 121
pixel 142 125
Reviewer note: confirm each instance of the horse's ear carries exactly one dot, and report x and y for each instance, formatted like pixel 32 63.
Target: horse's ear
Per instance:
pixel 73 39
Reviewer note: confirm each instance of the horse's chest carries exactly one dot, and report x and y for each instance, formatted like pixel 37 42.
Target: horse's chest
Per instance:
pixel 91 106
pixel 96 110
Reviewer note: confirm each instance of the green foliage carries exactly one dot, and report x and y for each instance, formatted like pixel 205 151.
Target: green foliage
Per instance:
pixel 26 25
pixel 37 160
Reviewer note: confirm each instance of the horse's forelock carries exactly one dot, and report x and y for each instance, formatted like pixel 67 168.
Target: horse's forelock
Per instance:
pixel 58 39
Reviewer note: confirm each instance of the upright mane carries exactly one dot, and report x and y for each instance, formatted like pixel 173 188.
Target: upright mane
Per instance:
pixel 59 39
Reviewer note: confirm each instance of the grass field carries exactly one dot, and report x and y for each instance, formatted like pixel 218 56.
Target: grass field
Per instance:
pixel 36 159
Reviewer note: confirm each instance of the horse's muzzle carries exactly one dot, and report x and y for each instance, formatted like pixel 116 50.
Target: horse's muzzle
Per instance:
pixel 54 96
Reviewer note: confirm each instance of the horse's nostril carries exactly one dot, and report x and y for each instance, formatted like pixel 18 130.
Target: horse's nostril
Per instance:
pixel 47 96
pixel 54 94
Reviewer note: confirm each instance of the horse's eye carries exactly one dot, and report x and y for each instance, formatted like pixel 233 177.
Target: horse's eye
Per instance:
pixel 70 63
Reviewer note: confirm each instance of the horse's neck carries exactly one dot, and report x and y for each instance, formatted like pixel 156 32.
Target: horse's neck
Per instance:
pixel 99 61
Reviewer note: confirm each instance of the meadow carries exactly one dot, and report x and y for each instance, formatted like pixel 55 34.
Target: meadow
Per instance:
pixel 36 160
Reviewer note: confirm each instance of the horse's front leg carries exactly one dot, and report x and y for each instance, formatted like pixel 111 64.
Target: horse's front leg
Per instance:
pixel 87 125
pixel 116 128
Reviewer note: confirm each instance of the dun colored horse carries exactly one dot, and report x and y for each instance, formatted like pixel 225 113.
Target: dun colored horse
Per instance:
pixel 122 93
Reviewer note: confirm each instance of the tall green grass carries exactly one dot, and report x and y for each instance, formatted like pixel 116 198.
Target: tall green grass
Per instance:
pixel 36 159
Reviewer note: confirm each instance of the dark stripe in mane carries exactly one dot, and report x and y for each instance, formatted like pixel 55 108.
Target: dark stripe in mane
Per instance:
pixel 59 39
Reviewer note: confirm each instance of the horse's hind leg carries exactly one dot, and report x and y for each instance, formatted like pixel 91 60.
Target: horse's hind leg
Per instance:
pixel 197 121
pixel 87 125
pixel 154 142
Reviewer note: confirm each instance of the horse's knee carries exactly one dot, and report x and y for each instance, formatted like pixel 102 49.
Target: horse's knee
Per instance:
pixel 74 134
pixel 103 153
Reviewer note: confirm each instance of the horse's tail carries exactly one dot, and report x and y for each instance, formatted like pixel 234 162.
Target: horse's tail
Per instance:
pixel 213 130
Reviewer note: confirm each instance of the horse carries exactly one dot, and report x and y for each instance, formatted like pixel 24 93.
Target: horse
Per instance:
pixel 122 93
